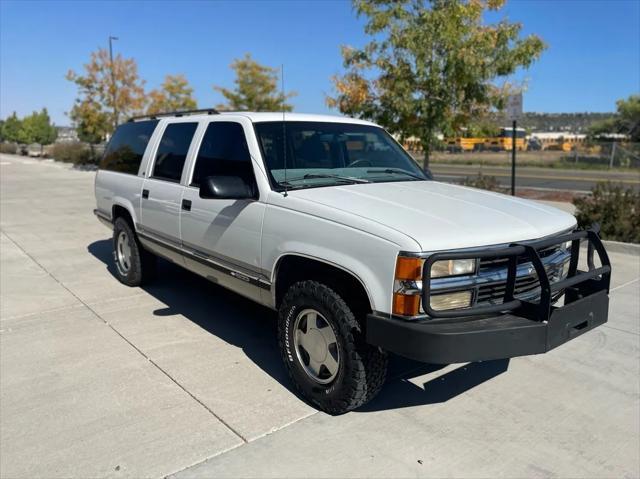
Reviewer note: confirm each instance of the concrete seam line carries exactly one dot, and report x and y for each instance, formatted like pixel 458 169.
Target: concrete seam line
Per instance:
pixel 126 340
pixel 620 330
pixel 624 285
pixel 220 453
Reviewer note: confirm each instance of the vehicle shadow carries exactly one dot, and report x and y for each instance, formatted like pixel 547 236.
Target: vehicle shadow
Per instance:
pixel 253 328
pixel 402 392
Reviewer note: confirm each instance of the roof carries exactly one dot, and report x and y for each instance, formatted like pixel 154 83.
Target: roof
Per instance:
pixel 256 117
pixel 263 116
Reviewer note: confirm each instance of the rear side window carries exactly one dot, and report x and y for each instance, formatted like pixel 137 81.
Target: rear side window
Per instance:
pixel 127 145
pixel 223 152
pixel 172 151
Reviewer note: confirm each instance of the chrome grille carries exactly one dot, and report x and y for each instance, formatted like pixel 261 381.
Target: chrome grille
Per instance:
pixel 526 287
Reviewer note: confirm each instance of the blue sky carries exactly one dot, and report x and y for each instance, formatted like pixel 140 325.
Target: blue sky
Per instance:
pixel 593 56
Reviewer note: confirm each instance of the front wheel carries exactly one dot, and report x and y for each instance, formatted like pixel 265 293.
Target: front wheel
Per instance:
pixel 323 347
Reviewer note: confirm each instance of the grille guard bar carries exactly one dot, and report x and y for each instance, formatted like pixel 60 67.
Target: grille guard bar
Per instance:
pixel 577 284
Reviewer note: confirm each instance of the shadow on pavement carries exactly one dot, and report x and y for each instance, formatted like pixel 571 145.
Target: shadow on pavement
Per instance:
pixel 404 393
pixel 253 328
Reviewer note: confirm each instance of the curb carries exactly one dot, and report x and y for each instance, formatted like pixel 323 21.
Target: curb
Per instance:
pixel 620 247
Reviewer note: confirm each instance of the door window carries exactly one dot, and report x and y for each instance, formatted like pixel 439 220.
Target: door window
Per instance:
pixel 172 151
pixel 223 152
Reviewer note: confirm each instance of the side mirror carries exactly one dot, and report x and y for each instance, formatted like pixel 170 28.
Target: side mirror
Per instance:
pixel 225 188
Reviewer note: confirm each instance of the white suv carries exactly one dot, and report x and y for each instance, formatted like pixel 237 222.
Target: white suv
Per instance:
pixel 329 221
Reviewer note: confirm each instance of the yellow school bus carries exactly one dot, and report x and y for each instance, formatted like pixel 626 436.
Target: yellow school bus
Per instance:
pixel 504 141
pixel 460 144
pixel 553 141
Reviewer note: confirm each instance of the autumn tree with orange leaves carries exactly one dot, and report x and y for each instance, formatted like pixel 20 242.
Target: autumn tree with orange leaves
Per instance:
pixel 174 94
pixel 101 103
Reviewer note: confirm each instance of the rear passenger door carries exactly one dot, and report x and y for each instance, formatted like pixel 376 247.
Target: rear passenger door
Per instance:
pixel 222 236
pixel 162 191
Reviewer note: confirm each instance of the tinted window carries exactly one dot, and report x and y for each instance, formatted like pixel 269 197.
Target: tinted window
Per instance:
pixel 223 152
pixel 172 151
pixel 125 150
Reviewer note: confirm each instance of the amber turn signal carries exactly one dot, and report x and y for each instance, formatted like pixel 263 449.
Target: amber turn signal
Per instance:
pixel 409 268
pixel 406 305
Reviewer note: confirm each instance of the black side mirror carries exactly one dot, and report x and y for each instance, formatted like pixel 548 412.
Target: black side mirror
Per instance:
pixel 225 188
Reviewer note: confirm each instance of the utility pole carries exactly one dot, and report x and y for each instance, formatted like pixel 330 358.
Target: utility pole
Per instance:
pixel 513 159
pixel 113 82
pixel 514 111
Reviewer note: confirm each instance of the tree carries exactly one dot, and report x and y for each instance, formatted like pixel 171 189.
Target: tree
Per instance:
pixel 93 112
pixel 12 129
pixel 256 88
pixel 174 94
pixel 629 117
pixel 626 120
pixel 37 128
pixel 431 66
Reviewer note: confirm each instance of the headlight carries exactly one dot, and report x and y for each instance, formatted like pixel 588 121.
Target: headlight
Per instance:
pixel 441 302
pixel 453 267
pixel 564 270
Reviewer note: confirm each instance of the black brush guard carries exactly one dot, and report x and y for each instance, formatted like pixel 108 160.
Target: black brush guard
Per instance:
pixel 515 327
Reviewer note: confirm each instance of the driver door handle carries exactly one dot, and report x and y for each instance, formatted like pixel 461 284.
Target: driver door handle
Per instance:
pixel 145 194
pixel 186 205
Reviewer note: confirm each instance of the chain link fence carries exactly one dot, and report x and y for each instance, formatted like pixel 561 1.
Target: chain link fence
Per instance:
pixel 587 155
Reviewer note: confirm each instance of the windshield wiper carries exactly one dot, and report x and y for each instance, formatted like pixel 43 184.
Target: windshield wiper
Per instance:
pixel 311 176
pixel 393 171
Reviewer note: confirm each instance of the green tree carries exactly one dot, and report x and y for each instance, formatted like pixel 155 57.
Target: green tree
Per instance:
pixel 256 88
pixel 431 66
pixel 101 102
pixel 629 117
pixel 174 94
pixel 625 121
pixel 12 129
pixel 37 128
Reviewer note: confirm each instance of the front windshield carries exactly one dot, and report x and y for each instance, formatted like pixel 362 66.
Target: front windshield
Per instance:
pixel 329 154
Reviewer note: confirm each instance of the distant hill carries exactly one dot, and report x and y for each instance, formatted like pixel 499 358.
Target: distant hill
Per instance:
pixel 570 122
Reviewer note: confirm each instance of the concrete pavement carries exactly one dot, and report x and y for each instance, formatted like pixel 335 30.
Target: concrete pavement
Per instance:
pixel 183 378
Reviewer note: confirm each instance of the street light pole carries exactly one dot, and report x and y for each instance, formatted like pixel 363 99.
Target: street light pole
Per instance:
pixel 113 82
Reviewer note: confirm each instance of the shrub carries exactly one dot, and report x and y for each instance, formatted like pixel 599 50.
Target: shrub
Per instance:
pixel 615 208
pixel 10 148
pixel 76 153
pixel 483 182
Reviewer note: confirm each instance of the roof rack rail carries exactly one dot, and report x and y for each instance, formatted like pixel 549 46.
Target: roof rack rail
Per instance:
pixel 208 111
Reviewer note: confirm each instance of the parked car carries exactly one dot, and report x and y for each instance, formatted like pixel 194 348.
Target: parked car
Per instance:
pixel 35 150
pixel 330 222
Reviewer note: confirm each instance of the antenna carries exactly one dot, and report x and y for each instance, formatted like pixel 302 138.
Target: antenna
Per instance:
pixel 284 133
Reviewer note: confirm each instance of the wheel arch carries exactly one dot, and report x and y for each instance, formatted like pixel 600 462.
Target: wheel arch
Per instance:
pixel 293 267
pixel 118 210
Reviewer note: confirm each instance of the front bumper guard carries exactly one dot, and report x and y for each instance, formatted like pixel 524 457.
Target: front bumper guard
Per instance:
pixel 513 328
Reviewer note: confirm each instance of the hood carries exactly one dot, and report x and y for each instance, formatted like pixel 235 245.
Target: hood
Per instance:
pixel 443 216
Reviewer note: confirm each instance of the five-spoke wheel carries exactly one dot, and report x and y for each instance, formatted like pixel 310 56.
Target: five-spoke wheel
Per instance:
pixel 316 346
pixel 123 253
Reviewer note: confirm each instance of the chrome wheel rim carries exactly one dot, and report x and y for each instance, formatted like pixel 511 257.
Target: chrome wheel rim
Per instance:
pixel 316 346
pixel 123 253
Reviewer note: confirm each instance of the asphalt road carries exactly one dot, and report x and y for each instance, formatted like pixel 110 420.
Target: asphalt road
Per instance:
pixel 184 379
pixel 546 178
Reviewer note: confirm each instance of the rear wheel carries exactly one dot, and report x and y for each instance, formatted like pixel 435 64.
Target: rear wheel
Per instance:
pixel 134 265
pixel 323 347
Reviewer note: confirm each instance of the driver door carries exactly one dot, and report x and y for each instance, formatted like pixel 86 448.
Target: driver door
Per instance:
pixel 222 237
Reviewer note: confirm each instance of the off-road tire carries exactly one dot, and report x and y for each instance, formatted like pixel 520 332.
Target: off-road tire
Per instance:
pixel 143 263
pixel 362 367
